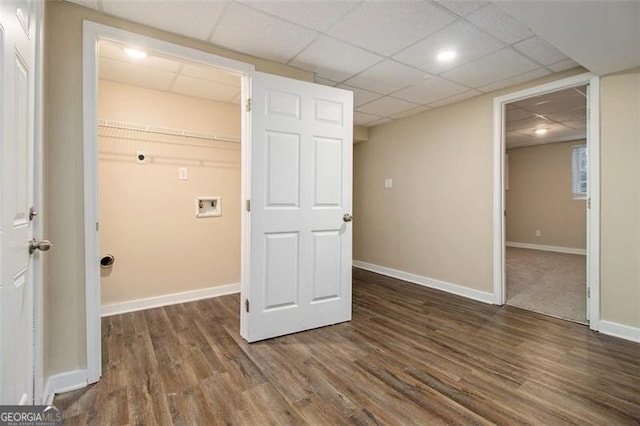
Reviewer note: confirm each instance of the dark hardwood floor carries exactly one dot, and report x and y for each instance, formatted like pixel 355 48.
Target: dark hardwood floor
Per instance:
pixel 410 355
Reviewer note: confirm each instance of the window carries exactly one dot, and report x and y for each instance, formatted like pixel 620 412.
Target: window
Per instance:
pixel 579 172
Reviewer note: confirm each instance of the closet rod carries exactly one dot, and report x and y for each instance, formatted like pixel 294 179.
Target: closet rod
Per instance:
pixel 165 131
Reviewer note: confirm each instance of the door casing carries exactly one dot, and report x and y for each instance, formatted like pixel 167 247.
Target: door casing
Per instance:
pixel 593 193
pixel 92 34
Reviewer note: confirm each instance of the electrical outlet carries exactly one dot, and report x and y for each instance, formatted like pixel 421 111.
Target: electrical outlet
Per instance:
pixel 538 232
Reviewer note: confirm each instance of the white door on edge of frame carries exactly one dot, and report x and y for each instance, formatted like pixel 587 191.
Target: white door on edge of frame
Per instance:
pixel 17 85
pixel 300 208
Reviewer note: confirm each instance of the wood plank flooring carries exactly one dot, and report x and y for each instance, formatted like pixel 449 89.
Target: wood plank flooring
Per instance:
pixel 410 355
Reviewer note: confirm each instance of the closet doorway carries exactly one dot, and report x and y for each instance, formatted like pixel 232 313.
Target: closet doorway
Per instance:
pixel 169 179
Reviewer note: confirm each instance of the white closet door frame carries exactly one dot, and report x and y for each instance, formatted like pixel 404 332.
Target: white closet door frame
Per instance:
pixel 92 34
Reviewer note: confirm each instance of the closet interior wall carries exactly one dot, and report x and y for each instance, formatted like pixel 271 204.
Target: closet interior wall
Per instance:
pixel 147 211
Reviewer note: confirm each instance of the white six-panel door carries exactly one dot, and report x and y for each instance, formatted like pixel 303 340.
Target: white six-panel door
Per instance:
pixel 301 184
pixel 17 58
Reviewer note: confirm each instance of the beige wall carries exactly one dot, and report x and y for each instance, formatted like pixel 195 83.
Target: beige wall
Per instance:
pixel 620 199
pixel 437 215
pixel 540 197
pixel 436 220
pixel 64 308
pixel 147 215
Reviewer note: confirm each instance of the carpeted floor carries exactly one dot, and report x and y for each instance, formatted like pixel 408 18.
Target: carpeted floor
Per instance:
pixel 547 282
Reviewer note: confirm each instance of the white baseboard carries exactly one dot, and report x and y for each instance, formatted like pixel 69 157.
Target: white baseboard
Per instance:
pixel 63 382
pixel 427 282
pixel 168 299
pixel 557 249
pixel 619 330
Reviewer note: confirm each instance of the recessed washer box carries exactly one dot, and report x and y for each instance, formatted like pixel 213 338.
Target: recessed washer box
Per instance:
pixel 208 206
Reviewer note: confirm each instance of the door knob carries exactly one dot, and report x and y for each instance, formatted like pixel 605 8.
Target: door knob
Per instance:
pixel 347 217
pixel 42 245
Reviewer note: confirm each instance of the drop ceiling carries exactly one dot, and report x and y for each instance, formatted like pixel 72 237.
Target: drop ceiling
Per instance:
pixel 384 51
pixel 563 114
pixel 167 74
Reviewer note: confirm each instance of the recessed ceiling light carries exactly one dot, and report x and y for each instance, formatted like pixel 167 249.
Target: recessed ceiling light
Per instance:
pixel 541 132
pixel 135 53
pixel 446 55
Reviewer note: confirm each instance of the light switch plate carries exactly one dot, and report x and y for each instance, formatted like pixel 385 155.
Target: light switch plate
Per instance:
pixel 183 173
pixel 388 183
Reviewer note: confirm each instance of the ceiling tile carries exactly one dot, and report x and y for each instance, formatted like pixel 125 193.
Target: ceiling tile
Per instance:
pixel 317 15
pixel 518 114
pixel 516 140
pixel 360 96
pixel 324 81
pixel 527 123
pixel 386 106
pixel 462 7
pixel 493 20
pixel 321 56
pixel 456 98
pixel 246 30
pixel 134 74
pixel 467 40
pixel 497 66
pixel 569 115
pixel 379 122
pixel 512 81
pixel 430 90
pixel 410 112
pixel 116 51
pixel 211 74
pixel 387 77
pixel 567 64
pixel 171 15
pixel 360 118
pixel 386 27
pixel 539 50
pixel 190 86
pixel 577 124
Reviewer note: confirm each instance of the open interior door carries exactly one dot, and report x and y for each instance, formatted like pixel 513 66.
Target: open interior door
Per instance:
pixel 17 115
pixel 300 208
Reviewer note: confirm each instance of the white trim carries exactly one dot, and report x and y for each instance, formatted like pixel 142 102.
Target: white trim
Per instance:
pixel 168 299
pixel 556 249
pixel 92 33
pixel 64 382
pixel 593 214
pixel 38 202
pixel 459 290
pixel 620 330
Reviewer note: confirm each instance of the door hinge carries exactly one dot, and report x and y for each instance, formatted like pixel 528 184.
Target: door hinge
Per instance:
pixel 589 202
pixel 246 305
pixel 248 205
pixel 588 292
pixel 97 226
pixel 248 104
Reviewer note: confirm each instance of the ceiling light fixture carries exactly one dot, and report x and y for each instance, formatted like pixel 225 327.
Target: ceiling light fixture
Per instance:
pixel 446 55
pixel 135 53
pixel 541 132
